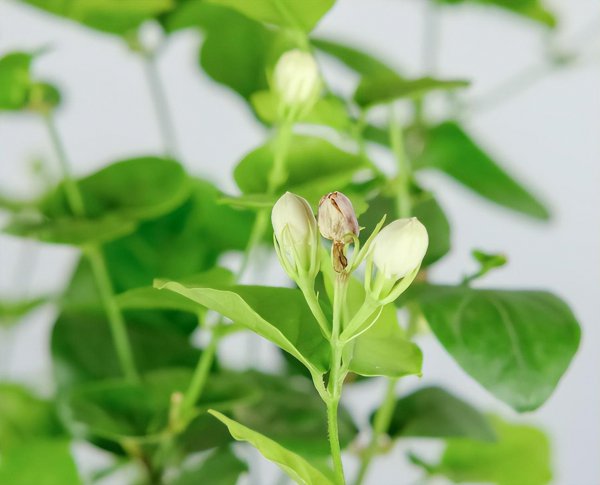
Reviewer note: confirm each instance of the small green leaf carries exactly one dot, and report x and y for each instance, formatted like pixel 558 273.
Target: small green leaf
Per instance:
pixel 357 60
pixel 280 315
pixel 12 310
pixel 531 9
pixel 15 80
pixel 39 462
pixel 292 464
pixel 383 89
pixel 450 149
pixel 433 412
pixel 517 344
pixel 221 467
pixel 315 167
pixel 521 455
pixel 24 417
pixel 298 15
pixel 383 350
pixel 111 16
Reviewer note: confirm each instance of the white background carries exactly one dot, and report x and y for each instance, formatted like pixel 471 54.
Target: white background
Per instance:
pixel 548 135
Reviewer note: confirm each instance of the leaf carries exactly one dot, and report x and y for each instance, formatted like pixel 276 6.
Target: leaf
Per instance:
pixel 520 456
pixel 111 16
pixel 15 80
pixel 43 462
pixel 355 59
pixel 426 209
pixel 383 350
pixel 328 111
pixel 385 88
pixel 315 167
pixel 221 467
pixel 450 149
pixel 69 230
pixel 292 464
pixel 24 417
pixel 280 315
pixel 149 298
pixel 297 15
pixel 432 412
pixel 181 243
pixel 12 311
pixel 516 344
pixel 532 9
pixel 135 189
pixel 82 346
pixel 291 413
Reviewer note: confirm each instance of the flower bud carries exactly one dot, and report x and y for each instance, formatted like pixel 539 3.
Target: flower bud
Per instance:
pixel 337 219
pixel 400 248
pixel 295 229
pixel 297 81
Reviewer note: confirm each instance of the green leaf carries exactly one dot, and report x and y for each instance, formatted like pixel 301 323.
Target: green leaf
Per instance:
pixel 425 208
pixel 315 167
pixel 516 344
pixel 280 315
pixel 383 350
pixel 12 311
pixel 328 111
pixel 298 15
pixel 291 413
pixel 433 412
pixel 450 149
pixel 136 189
pixel 24 417
pixel 111 16
pixel 83 349
pixel 69 230
pixel 531 9
pixel 221 467
pixel 520 456
pixel 357 60
pixel 292 464
pixel 375 90
pixel 15 80
pixel 43 462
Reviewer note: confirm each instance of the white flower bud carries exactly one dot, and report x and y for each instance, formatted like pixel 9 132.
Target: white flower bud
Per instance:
pixel 296 80
pixel 295 229
pixel 337 219
pixel 400 247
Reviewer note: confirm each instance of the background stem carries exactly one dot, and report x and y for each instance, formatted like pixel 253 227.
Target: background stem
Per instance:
pixel 96 258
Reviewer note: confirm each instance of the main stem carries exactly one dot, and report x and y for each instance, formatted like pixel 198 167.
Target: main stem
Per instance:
pixel 96 258
pixel 161 105
pixel 336 378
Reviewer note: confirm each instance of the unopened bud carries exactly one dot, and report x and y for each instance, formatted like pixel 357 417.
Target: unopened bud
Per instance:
pixel 295 229
pixel 400 247
pixel 338 223
pixel 297 81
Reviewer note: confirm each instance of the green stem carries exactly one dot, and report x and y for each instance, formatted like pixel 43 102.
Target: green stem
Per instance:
pixel 74 198
pixel 113 312
pixel 336 377
pixel 200 376
pixel 313 303
pixel 96 258
pixel 381 424
pixel 403 198
pixel 161 104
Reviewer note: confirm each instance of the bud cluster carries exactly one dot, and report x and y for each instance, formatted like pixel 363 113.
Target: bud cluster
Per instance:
pixel 394 252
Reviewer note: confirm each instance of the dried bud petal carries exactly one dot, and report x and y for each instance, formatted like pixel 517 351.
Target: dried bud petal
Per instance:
pixel 295 229
pixel 337 219
pixel 296 80
pixel 400 247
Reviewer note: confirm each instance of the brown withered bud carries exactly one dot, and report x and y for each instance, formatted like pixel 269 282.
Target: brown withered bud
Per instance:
pixel 337 222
